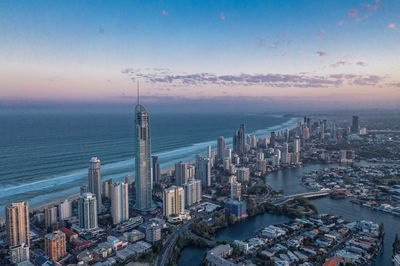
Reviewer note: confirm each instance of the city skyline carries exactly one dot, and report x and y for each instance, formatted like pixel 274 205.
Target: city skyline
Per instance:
pixel 202 52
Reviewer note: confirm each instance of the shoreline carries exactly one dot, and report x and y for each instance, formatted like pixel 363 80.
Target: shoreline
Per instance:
pixel 57 200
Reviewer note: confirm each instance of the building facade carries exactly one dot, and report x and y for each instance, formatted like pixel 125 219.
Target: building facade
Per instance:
pixel 203 170
pixel 17 224
pixel 156 169
pixel 94 180
pixel 55 245
pixel 239 144
pixel 119 202
pixel 173 201
pixel 50 215
pixel 192 191
pixel 87 207
pixel 65 210
pixel 181 173
pixel 143 181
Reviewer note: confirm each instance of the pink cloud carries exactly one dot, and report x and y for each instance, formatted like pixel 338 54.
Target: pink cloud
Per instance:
pixel 391 26
pixel 353 13
pixel 321 33
pixel 373 7
pixel 340 23
pixel 221 16
pixel 361 63
pixel 164 13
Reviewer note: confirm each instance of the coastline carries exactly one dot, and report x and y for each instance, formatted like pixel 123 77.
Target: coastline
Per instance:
pixel 291 123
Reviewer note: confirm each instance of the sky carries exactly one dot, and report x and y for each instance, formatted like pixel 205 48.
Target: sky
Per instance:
pixel 225 54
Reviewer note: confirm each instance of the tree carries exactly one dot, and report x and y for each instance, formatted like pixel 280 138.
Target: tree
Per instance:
pixel 232 219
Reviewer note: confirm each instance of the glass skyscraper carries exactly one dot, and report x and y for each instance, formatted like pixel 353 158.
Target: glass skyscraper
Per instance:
pixel 142 159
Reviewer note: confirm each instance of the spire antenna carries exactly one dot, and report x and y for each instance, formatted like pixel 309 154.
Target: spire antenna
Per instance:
pixel 137 99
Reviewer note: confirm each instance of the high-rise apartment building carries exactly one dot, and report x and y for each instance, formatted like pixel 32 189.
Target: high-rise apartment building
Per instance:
pixel 239 144
pixel 50 215
pixel 65 210
pixel 55 245
pixel 236 190
pixel 243 174
pixel 221 148
pixel 107 188
pixel 143 181
pixel 296 145
pixel 192 192
pixel 87 207
pixel 156 169
pixel 17 224
pixel 203 170
pixel 181 173
pixel 173 201
pixel 119 202
pixel 355 125
pixel 19 253
pixel 94 178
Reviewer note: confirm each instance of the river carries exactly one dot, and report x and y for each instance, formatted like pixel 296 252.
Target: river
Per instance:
pixel 289 181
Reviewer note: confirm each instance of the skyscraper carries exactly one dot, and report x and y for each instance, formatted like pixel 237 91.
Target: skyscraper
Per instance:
pixel 221 148
pixel 156 169
pixel 119 202
pixel 65 210
pixel 239 144
pixel 192 192
pixel 87 207
pixel 203 170
pixel 50 215
pixel 142 158
pixel 17 224
pixel 107 188
pixel 236 190
pixel 355 125
pixel 55 245
pixel 173 201
pixel 296 144
pixel 181 173
pixel 94 178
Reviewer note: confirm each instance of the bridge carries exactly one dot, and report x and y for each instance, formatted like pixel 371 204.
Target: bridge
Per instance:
pixel 308 195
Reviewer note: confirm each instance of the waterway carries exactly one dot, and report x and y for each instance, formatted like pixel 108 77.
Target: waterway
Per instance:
pixel 289 181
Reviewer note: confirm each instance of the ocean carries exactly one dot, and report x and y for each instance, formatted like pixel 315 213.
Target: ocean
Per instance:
pixel 46 155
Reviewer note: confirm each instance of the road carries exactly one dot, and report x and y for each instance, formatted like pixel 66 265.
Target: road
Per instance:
pixel 170 244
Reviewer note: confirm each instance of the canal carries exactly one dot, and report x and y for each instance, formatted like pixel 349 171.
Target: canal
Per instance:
pixel 289 181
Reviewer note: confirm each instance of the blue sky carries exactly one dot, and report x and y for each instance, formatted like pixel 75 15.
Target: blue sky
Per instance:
pixel 55 50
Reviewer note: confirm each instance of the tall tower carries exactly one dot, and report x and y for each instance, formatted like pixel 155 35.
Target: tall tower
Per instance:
pixel 17 224
pixel 181 173
pixel 239 140
pixel 156 169
pixel 119 202
pixel 221 148
pixel 87 211
pixel 142 158
pixel 94 178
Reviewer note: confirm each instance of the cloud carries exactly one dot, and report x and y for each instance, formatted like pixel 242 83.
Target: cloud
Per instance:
pixel 166 78
pixel 353 13
pixel 391 26
pixel 396 84
pixel 374 6
pixel 101 30
pixel 368 81
pixel 321 53
pixel 272 46
pixel 340 63
pixel 321 33
pixel 361 63
pixel 340 23
pixel 289 42
pixel 221 16
pixel 164 13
